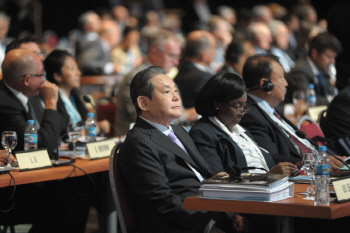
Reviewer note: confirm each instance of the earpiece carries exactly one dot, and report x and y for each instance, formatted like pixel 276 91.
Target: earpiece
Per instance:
pixel 267 86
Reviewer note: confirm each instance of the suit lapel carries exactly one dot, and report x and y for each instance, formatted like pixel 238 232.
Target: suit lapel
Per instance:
pixel 196 160
pixel 240 157
pixel 37 107
pixel 276 126
pixel 18 102
pixel 160 139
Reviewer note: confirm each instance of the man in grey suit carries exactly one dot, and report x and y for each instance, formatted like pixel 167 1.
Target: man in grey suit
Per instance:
pixel 161 165
pixel 94 58
pixel 90 24
pixel 314 69
pixel 163 50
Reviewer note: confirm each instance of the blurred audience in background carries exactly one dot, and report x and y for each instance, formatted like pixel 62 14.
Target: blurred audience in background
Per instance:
pixel 236 56
pixel 4 28
pixel 260 36
pixel 90 25
pixel 127 54
pixel 194 70
pixel 280 42
pixel 315 68
pixel 222 32
pixel 94 58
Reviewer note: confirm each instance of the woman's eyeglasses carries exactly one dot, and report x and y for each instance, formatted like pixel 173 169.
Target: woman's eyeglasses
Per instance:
pixel 239 109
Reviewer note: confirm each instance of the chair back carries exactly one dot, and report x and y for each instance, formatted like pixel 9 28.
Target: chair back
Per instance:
pixel 107 107
pixel 321 120
pixel 311 128
pixel 125 211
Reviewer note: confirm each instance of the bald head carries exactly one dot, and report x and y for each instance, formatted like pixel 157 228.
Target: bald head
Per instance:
pixel 18 62
pixel 200 43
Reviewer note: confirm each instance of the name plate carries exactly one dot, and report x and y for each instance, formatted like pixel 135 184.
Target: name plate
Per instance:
pixel 33 159
pixel 100 149
pixel 342 189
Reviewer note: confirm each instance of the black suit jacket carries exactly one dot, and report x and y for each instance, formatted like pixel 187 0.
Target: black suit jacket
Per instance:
pixel 218 148
pixel 154 169
pixel 190 80
pixel 337 121
pixel 269 135
pixel 14 117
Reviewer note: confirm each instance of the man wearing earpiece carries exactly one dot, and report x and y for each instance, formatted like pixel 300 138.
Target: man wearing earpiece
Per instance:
pixel 266 87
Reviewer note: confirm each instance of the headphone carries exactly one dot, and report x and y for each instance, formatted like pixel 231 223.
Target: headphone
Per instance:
pixel 235 172
pixel 267 86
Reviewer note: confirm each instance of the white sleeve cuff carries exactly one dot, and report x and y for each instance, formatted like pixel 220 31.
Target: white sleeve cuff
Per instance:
pixel 209 226
pixel 109 68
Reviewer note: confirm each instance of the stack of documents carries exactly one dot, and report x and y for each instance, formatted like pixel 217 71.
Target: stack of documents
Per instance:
pixel 253 187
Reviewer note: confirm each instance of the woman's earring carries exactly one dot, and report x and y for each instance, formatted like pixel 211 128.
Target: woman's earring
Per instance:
pixel 217 108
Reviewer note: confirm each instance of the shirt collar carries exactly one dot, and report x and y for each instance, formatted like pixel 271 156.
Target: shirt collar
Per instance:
pixel 20 96
pixel 262 103
pixel 200 67
pixel 237 129
pixel 314 69
pixel 160 127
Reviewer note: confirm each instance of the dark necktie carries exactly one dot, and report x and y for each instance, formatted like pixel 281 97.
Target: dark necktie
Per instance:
pixel 31 113
pixel 320 87
pixel 303 149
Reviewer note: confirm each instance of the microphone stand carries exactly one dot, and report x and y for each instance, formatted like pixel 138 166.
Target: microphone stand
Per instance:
pixel 303 135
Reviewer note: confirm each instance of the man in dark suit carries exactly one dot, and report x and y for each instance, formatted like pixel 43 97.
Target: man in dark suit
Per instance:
pixel 266 86
pixel 236 55
pixel 337 121
pixel 161 165
pixel 314 69
pixel 23 75
pixel 194 71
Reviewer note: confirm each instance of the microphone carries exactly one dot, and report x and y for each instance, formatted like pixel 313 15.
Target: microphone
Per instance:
pixel 303 135
pixel 88 100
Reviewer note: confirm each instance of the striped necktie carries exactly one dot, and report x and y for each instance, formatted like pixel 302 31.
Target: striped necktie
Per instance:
pixel 303 149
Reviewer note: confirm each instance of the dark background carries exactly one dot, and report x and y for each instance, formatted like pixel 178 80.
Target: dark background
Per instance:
pixel 62 15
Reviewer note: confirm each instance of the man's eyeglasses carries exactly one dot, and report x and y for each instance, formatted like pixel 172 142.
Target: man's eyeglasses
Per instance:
pixel 38 53
pixel 239 107
pixel 43 74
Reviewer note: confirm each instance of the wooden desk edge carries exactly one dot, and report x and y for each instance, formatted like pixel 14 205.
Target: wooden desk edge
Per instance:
pixel 281 208
pixel 54 173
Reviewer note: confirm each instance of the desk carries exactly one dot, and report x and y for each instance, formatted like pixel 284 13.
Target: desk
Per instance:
pixel 54 173
pixel 292 207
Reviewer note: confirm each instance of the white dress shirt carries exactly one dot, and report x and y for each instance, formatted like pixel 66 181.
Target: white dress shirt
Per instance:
pixel 286 128
pixel 251 151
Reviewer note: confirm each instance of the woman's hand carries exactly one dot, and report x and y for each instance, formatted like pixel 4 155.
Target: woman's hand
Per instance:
pixel 285 168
